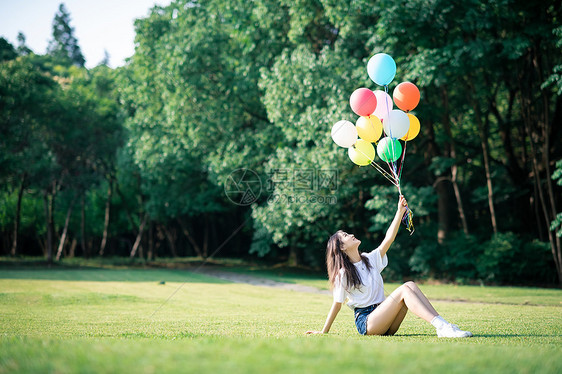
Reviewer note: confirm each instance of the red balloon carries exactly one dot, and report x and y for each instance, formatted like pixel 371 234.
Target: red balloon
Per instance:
pixel 363 102
pixel 406 96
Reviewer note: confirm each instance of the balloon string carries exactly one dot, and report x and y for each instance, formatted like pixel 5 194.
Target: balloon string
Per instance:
pixel 408 218
pixel 394 178
pixel 393 167
pixel 402 160
pixel 384 173
pixel 378 168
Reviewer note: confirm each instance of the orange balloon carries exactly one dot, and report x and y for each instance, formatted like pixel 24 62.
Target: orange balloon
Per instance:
pixel 406 96
pixel 414 129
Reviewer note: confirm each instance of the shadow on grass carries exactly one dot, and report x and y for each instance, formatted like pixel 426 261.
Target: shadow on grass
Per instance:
pixel 516 336
pixel 410 335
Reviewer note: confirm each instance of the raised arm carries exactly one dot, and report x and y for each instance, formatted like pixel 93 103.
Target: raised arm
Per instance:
pixel 336 307
pixel 394 226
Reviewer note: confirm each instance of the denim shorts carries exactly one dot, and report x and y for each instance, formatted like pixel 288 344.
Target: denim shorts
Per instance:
pixel 361 315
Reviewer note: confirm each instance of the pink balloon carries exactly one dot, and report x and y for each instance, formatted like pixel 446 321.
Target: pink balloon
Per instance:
pixel 363 102
pixel 384 106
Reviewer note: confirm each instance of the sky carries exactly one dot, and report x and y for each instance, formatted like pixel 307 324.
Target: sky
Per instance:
pixel 98 25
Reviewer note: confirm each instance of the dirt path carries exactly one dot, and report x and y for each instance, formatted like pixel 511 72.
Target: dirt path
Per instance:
pixel 259 281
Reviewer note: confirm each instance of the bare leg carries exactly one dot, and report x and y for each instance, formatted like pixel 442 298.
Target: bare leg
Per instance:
pixel 382 318
pixel 421 296
pixel 395 325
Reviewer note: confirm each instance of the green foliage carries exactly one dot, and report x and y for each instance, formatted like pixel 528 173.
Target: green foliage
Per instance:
pixel 505 258
pixel 28 102
pixel 508 258
pixel 7 51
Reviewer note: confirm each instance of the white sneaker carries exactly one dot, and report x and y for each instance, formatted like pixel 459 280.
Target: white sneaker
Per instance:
pixel 455 327
pixel 448 331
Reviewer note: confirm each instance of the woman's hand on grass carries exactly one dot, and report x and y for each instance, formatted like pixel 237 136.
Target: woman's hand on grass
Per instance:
pixel 311 332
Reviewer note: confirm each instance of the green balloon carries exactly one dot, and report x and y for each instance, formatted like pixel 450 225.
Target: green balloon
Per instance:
pixel 389 150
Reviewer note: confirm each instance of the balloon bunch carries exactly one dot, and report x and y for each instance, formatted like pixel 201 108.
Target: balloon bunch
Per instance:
pixel 376 114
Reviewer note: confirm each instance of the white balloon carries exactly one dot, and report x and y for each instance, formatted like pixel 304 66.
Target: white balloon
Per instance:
pixel 396 124
pixel 384 104
pixel 344 133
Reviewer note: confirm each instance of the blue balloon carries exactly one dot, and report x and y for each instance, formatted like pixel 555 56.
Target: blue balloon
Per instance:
pixel 381 69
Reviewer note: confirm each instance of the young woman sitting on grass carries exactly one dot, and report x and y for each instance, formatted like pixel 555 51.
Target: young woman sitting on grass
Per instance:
pixel 357 276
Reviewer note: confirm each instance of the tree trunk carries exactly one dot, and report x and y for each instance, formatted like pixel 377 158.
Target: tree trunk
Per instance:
pixel 517 173
pixel 106 217
pixel 534 118
pixel 72 250
pixel 443 216
pixel 171 237
pixel 444 223
pixel 483 133
pixel 549 188
pixel 454 167
pixel 85 250
pixel 186 232
pixel 48 216
pixel 128 213
pixel 206 237
pixel 293 256
pixel 150 251
pixel 554 243
pixel 139 236
pixel 454 171
pixel 14 249
pixel 65 230
pixel 536 201
pixel 484 143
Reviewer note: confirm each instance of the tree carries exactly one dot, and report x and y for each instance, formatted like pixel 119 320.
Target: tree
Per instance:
pixel 7 51
pixel 28 98
pixel 64 46
pixel 106 58
pixel 490 58
pixel 199 117
pixel 22 48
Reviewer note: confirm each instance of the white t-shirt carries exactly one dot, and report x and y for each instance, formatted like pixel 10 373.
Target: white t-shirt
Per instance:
pixel 371 291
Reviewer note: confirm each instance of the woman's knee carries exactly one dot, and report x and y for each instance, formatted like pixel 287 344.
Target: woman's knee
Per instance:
pixel 405 290
pixel 411 285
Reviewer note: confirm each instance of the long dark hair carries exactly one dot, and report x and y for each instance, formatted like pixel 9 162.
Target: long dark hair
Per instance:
pixel 336 260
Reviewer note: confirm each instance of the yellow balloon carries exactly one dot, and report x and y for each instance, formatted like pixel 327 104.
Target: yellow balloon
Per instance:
pixel 362 152
pixel 414 128
pixel 369 128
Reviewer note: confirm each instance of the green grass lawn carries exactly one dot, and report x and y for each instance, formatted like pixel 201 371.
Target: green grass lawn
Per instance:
pixel 114 320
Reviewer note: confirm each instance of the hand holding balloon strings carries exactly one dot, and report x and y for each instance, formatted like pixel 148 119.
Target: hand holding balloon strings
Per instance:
pixel 408 217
